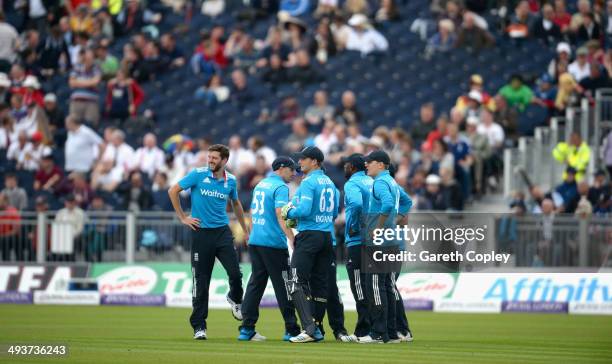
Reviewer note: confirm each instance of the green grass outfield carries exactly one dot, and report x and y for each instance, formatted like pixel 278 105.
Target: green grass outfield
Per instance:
pixel 104 334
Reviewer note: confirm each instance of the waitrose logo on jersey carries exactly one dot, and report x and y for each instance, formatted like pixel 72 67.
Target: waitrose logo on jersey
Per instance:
pixel 213 193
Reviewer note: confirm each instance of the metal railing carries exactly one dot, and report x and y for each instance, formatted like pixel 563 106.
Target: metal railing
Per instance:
pixel 534 240
pixel 534 154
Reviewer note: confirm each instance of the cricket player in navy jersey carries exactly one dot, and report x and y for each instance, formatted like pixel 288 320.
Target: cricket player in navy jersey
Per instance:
pixel 212 188
pixel 335 307
pixel 401 321
pixel 384 207
pixel 314 207
pixel 357 191
pixel 268 251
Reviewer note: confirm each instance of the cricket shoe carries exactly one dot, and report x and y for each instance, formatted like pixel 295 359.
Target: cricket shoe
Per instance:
pixel 405 338
pixel 345 338
pixel 199 334
pixel 236 308
pixel 303 337
pixel 287 336
pixel 250 335
pixel 369 340
pixel 394 341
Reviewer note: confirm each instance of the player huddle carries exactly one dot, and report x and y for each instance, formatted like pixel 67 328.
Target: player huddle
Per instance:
pixel 304 282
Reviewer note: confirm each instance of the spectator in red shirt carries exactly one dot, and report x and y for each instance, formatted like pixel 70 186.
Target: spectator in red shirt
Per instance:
pixel 436 134
pixel 9 229
pixel 561 18
pixel 49 176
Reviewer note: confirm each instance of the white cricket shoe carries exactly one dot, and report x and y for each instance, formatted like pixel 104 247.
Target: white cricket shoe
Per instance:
pixel 369 340
pixel 303 337
pixel 347 338
pixel 258 337
pixel 236 308
pixel 200 335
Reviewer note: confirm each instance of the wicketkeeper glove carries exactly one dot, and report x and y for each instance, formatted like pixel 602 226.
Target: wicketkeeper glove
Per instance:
pixel 285 210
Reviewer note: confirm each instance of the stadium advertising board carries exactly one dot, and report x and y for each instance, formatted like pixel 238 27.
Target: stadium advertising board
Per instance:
pixel 26 278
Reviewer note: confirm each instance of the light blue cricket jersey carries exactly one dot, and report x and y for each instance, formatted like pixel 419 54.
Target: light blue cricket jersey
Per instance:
pixel 356 201
pixel 270 193
pixel 315 203
pixel 209 196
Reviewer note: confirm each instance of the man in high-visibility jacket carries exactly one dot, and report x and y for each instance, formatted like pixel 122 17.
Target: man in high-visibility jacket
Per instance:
pixel 574 154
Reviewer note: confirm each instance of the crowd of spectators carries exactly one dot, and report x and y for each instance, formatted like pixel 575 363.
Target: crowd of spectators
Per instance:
pixel 445 158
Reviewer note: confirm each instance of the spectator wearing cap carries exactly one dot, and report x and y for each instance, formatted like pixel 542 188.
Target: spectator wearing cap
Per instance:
pixel 82 146
pixel 432 199
pixel 588 30
pixel 545 92
pixel 563 55
pixel 363 38
pixel 49 176
pixel 516 93
pixel 568 189
pixel 31 91
pixel 575 154
pixel 16 196
pixel 476 84
pixel 471 36
pixel 84 81
pixel 33 153
pixel 545 28
pixel 580 68
pixel 444 40
pixel 599 194
pixel 123 96
pixel 8 43
pixel 54 113
pixel 347 112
